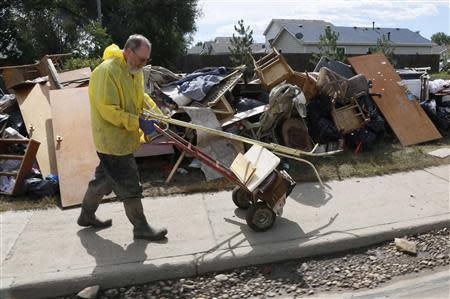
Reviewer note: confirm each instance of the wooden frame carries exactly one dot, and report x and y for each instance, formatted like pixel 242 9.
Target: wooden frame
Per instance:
pixel 272 69
pixel 349 117
pixel 28 160
pixel 406 117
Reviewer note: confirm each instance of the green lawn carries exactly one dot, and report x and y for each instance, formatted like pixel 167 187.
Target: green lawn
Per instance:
pixel 441 75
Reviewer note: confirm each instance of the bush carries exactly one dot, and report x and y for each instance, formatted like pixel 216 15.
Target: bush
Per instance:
pixel 78 63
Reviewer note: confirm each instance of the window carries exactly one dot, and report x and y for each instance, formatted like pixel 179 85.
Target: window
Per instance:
pixel 340 50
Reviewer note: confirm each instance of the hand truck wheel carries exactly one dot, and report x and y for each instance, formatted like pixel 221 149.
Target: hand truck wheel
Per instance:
pixel 260 217
pixel 241 198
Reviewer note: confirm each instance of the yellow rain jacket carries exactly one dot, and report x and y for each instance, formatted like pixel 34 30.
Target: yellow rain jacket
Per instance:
pixel 117 99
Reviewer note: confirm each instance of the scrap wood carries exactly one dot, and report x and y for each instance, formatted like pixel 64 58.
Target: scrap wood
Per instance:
pixel 27 161
pixel 406 117
pixel 272 69
pixel 72 130
pixel 35 107
pixel 440 153
pixel 245 114
pixel 219 148
pixel 75 78
pixel 306 82
pixel 242 168
pixel 276 148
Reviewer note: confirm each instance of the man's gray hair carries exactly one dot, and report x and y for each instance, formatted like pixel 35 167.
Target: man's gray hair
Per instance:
pixel 135 41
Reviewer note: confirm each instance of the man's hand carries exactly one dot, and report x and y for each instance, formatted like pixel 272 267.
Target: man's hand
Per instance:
pixel 147 125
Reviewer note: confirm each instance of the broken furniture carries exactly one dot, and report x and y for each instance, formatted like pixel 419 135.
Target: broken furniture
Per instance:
pixel 280 108
pixel 272 69
pixel 219 96
pixel 36 111
pixel 336 66
pixel 306 82
pixel 332 85
pixel 13 75
pixel 295 134
pixel 417 81
pixel 406 117
pixel 349 117
pixel 26 161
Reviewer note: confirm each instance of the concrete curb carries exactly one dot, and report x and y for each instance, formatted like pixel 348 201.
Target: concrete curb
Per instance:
pixel 74 280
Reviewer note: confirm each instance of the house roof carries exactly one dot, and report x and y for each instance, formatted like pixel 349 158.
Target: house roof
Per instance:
pixel 309 31
pixel 195 50
pixel 221 45
pixel 436 49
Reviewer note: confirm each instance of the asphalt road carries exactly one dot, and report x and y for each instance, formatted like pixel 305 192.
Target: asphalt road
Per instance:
pixel 429 285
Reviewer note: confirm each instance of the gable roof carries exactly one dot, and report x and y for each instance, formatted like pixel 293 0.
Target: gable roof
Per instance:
pixel 309 31
pixel 436 49
pixel 221 45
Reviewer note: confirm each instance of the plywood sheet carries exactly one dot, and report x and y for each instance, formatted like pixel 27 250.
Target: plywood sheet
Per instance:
pixel 242 168
pixel 76 153
pixel 407 119
pixel 36 112
pixel 78 74
pixel 75 78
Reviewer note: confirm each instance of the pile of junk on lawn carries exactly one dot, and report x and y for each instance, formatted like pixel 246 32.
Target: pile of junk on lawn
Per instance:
pixel 46 140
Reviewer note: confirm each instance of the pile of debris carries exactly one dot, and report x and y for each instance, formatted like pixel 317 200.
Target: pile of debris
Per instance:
pixel 45 114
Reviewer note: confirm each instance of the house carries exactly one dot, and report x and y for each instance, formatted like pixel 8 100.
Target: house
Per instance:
pixel 302 36
pixel 444 56
pixel 220 46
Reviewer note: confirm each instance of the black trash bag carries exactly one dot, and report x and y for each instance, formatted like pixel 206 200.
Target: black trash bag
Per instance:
pixel 361 138
pixel 377 124
pixel 245 104
pixel 320 125
pixel 41 187
pixel 323 130
pixel 440 116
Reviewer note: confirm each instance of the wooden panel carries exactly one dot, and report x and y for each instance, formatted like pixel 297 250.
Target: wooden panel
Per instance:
pixel 76 153
pixel 75 75
pixel 242 168
pixel 407 119
pixel 75 78
pixel 26 164
pixel 36 112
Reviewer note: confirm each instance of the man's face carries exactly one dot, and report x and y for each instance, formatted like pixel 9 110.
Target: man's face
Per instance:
pixel 137 59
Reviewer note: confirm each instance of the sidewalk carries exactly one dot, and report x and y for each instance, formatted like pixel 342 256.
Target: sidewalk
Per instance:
pixel 45 253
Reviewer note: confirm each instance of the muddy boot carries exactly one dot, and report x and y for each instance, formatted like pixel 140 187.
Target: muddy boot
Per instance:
pixel 141 230
pixel 87 216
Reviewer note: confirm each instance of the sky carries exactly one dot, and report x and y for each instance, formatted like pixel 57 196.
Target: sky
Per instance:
pixel 218 17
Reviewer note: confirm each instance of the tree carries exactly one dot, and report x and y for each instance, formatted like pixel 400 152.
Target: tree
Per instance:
pixel 328 46
pixel 385 46
pixel 441 38
pixel 168 24
pixel 36 28
pixel 241 48
pixel 39 27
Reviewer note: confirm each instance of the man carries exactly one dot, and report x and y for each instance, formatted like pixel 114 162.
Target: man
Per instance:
pixel 116 94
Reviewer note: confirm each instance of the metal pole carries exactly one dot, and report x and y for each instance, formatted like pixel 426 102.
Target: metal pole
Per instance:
pixel 272 146
pixel 99 11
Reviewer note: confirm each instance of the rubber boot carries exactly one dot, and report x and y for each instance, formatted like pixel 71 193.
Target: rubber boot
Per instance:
pixel 88 208
pixel 141 230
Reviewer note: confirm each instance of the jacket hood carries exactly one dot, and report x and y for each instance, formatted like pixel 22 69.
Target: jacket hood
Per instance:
pixel 112 51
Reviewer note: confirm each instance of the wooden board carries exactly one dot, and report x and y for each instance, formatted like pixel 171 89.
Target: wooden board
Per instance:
pixel 78 74
pixel 264 162
pixel 406 117
pixel 36 112
pixel 242 168
pixel 76 153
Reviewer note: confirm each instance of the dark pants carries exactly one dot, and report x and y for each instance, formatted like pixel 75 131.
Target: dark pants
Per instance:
pixel 114 173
